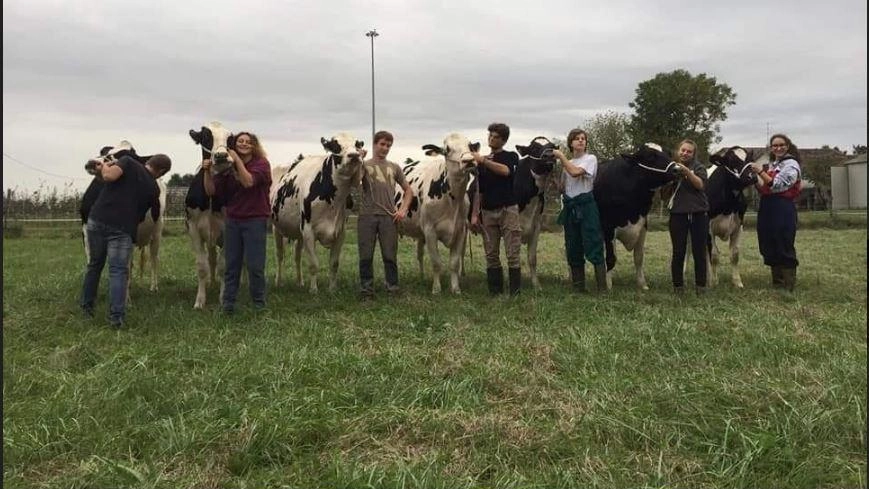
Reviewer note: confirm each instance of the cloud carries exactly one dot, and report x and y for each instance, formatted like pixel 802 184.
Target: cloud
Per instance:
pixel 80 75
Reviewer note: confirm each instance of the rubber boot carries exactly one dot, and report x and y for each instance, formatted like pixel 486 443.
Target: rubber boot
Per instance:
pixel 789 278
pixel 515 280
pixel 577 278
pixel 600 277
pixel 778 280
pixel 700 290
pixel 495 279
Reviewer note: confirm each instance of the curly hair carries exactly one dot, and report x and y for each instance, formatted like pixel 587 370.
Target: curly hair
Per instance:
pixel 257 151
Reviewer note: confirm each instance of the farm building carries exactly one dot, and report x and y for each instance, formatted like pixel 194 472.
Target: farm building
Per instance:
pixel 848 182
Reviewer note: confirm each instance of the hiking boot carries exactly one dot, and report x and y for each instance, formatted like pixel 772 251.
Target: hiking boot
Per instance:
pixel 515 280
pixel 600 277
pixel 577 278
pixel 495 280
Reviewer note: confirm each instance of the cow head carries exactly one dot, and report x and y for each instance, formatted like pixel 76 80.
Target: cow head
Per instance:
pixel 736 161
pixel 344 149
pixel 110 154
pixel 654 160
pixel 539 151
pixel 458 153
pixel 215 141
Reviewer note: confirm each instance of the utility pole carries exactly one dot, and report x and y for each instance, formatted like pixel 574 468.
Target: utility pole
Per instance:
pixel 372 34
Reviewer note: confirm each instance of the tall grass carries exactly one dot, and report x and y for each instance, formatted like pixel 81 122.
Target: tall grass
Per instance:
pixel 742 388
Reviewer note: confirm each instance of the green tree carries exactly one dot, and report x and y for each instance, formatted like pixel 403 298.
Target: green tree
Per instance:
pixel 676 105
pixel 177 180
pixel 608 134
pixel 815 166
pixel 859 149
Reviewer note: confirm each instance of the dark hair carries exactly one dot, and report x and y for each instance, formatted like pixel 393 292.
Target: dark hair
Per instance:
pixel 501 129
pixel 792 148
pixel 258 151
pixel 160 163
pixel 383 135
pixel 574 133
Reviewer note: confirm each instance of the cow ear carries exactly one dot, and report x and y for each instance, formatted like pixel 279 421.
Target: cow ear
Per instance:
pixel 230 141
pixel 105 150
pixel 522 150
pixel 196 136
pixel 715 159
pixel 331 145
pixel 474 147
pixel 431 149
pixel 359 144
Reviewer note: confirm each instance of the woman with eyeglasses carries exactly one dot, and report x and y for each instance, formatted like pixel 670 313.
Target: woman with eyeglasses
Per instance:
pixel 246 192
pixel 579 214
pixel 779 187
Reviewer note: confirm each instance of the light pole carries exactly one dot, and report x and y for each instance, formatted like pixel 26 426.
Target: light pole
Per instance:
pixel 372 34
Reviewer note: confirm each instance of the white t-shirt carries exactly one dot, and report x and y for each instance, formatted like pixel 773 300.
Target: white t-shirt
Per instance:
pixel 574 186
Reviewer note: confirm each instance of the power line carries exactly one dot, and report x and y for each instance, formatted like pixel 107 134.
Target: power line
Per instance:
pixel 41 170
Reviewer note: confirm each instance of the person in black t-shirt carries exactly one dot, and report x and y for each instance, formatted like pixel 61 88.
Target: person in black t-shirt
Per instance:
pixel 496 211
pixel 131 189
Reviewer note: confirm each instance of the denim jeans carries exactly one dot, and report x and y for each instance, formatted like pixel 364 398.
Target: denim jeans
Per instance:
pixel 245 242
pixel 116 246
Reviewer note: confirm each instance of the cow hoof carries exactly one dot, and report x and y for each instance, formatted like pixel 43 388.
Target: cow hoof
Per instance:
pixel 198 306
pixel 738 285
pixel 153 288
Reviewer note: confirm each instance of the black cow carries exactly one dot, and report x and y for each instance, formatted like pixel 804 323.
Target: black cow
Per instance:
pixel 623 190
pixel 204 217
pixel 729 176
pixel 150 228
pixel 529 185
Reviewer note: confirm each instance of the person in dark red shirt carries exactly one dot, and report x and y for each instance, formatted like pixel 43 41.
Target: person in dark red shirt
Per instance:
pixel 245 190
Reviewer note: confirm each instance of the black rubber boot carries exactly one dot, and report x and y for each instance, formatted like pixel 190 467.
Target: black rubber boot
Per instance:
pixel 577 278
pixel 789 278
pixel 600 277
pixel 778 279
pixel 495 279
pixel 515 280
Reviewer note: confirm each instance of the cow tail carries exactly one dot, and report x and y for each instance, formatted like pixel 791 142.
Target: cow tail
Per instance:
pixel 468 244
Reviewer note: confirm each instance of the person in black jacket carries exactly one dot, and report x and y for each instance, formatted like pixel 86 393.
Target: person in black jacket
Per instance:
pixel 499 217
pixel 688 215
pixel 130 191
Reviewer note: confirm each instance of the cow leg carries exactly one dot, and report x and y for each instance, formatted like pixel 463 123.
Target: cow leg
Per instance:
pixel 297 257
pixel 639 257
pixel 154 250
pixel 219 268
pixel 713 260
pixel 610 262
pixel 532 258
pixel 334 259
pixel 310 243
pixel 734 256
pixel 203 273
pixel 279 256
pixel 87 247
pixel 457 251
pixel 431 242
pixel 420 255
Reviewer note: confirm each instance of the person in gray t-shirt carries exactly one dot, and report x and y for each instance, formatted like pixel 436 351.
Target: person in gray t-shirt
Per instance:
pixel 378 215
pixel 688 214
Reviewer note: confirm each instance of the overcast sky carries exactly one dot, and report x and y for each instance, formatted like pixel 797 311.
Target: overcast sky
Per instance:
pixel 82 74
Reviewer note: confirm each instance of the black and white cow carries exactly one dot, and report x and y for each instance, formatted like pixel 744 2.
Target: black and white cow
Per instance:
pixel 529 185
pixel 728 177
pixel 623 190
pixel 150 228
pixel 310 203
pixel 204 218
pixel 439 209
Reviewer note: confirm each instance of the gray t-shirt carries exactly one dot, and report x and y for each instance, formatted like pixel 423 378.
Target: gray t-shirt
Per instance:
pixel 378 187
pixel 687 199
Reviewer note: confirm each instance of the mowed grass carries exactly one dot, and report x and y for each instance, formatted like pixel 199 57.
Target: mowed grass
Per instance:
pixel 743 388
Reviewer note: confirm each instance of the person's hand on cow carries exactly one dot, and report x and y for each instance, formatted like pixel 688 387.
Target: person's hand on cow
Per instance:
pixel 399 215
pixel 206 164
pixel 475 223
pixel 363 153
pixel 479 159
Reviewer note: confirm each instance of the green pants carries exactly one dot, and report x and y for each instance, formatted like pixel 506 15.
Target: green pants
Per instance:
pixel 582 234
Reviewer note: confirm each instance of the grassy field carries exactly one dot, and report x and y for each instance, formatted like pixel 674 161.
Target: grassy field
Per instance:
pixel 746 388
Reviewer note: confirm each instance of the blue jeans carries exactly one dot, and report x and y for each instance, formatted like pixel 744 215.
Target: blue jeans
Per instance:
pixel 116 246
pixel 245 242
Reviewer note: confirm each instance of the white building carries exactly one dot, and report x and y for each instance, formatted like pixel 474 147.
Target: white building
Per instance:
pixel 848 182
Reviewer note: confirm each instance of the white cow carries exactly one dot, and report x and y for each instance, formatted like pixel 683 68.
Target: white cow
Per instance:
pixel 150 228
pixel 439 209
pixel 204 217
pixel 310 203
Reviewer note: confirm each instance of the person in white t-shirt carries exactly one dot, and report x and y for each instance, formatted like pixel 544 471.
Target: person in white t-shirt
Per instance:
pixel 579 214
